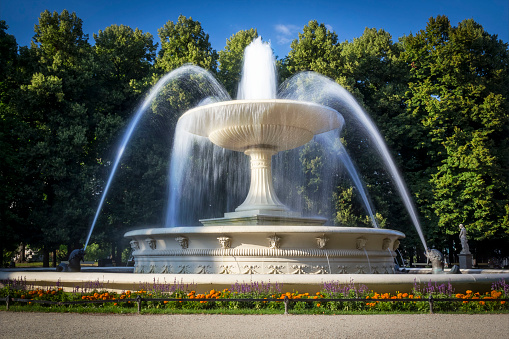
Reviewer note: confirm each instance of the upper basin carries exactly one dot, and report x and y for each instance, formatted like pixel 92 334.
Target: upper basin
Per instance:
pixel 278 124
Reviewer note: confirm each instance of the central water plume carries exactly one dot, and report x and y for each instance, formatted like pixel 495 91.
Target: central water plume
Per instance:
pixel 259 78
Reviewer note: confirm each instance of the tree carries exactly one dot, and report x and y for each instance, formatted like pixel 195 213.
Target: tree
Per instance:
pixel 185 42
pixel 55 109
pixel 458 94
pixel 9 166
pixel 317 49
pixel 231 59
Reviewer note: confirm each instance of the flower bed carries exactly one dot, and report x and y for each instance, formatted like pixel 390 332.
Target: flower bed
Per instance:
pixel 333 297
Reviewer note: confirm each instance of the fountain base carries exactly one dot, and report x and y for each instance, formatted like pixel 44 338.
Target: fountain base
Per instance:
pixel 264 249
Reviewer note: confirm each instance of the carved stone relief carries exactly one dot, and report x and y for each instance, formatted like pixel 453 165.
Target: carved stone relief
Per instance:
pixel 395 246
pixel 275 241
pixel 322 241
pixel 385 244
pixel 134 245
pixel 275 269
pixel 299 269
pixel 225 269
pixel 203 269
pixel 151 243
pixel 250 269
pixel 320 270
pixel 183 242
pixel 360 243
pixel 224 242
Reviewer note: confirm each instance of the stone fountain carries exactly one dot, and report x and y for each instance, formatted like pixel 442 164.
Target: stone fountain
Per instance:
pixel 262 240
pixel 262 235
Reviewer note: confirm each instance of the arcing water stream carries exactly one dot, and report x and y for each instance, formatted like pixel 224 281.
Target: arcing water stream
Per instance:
pixel 219 170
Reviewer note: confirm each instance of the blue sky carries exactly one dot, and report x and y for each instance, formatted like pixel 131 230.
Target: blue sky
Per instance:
pixel 277 21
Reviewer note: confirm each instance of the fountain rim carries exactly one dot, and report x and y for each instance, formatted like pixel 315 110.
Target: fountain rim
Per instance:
pixel 311 108
pixel 268 229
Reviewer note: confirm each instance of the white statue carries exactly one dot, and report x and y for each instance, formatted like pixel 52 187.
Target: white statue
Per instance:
pixel 464 241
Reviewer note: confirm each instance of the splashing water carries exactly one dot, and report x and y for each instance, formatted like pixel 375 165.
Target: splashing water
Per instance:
pixel 309 86
pixel 181 74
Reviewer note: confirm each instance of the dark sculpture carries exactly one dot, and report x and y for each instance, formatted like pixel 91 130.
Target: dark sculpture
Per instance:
pixel 74 261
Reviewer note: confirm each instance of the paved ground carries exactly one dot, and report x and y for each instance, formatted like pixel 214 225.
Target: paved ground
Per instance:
pixel 58 325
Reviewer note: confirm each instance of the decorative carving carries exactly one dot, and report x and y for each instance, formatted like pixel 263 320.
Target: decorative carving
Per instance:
pixel 275 241
pixel 299 269
pixel 166 269
pixel 360 243
pixel 322 241
pixel 225 242
pixel 321 270
pixel 151 243
pixel 343 269
pixel 152 269
pixel 250 269
pixel 361 269
pixel 141 269
pixel 184 269
pixel 183 242
pixel 275 269
pixel 225 269
pixel 385 244
pixel 203 269
pixel 374 270
pixel 134 245
pixel 395 246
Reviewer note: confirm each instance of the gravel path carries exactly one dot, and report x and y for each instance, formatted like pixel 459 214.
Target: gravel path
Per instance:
pixel 61 325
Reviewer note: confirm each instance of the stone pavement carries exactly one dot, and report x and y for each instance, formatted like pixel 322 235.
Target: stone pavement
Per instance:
pixel 68 325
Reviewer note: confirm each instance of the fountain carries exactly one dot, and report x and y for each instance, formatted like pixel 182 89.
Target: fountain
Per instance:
pixel 262 240
pixel 262 235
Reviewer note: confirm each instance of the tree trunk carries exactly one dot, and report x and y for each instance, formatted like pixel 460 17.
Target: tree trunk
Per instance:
pixel 118 257
pixel 45 258
pixel 1 254
pixel 54 255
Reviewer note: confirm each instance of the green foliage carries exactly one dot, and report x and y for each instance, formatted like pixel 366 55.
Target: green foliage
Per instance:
pixel 96 251
pixel 185 42
pixel 317 49
pixel 458 94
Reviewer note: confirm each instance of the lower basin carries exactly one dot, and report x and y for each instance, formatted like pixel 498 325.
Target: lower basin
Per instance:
pixel 266 249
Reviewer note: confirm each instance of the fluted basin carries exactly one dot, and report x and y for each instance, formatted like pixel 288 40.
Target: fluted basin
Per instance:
pixel 274 124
